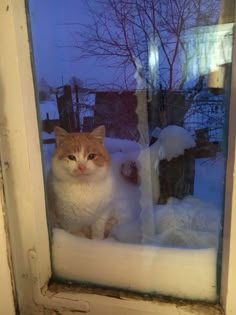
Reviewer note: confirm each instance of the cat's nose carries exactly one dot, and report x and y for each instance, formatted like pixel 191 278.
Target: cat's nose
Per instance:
pixel 82 167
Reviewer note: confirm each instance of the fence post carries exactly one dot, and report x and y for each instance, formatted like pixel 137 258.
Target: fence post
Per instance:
pixel 65 109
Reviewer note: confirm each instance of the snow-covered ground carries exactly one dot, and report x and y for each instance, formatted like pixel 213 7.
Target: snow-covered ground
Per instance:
pixel 180 259
pixel 209 180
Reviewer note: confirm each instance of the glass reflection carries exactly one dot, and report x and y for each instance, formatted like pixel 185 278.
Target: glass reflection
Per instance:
pixel 135 96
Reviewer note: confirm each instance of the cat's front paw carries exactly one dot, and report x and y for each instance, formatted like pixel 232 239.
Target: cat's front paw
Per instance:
pixel 129 171
pixel 109 225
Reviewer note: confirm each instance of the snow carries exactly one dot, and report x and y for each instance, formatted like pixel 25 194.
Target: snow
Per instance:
pixel 209 180
pixel 86 98
pixel 179 256
pixel 48 107
pixel 173 140
pixel 175 272
pixel 45 135
pixel 156 132
pixel 187 223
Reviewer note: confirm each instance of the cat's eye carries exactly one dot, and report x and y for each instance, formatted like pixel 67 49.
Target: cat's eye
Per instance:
pixel 71 157
pixel 91 156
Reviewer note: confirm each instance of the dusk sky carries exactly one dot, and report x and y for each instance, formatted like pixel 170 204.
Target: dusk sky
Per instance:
pixel 54 25
pixel 52 28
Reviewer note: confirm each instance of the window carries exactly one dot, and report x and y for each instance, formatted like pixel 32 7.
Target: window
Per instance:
pixel 25 193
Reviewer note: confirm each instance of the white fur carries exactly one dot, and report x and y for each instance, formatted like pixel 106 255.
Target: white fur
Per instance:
pixel 81 200
pixel 89 200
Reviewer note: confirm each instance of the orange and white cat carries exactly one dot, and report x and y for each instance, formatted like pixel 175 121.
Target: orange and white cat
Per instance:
pixel 86 194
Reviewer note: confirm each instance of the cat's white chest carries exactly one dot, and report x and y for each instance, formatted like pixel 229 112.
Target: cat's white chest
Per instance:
pixel 85 195
pixel 82 204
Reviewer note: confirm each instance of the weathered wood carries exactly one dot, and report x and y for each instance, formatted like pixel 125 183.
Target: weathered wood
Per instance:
pixel 205 149
pixel 48 125
pixel 65 108
pixel 49 141
pixel 177 177
pixel 117 112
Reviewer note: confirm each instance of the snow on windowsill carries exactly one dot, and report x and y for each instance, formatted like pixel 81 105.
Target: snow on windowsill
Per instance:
pixel 183 273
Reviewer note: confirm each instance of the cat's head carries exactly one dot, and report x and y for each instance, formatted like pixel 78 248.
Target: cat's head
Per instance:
pixel 80 156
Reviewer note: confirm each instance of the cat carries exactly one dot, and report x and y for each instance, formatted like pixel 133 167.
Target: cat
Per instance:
pixel 88 193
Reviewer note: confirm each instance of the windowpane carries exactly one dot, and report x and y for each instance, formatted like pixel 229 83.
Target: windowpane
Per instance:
pixel 132 102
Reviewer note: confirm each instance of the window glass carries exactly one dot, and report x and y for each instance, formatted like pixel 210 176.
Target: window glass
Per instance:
pixel 132 100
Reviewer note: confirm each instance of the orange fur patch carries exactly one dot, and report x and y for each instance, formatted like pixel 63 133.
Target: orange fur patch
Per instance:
pixel 74 142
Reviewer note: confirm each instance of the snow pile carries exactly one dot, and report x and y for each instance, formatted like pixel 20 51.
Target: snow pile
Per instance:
pixel 187 223
pixel 173 140
pixel 156 132
pixel 183 273
pixel 209 180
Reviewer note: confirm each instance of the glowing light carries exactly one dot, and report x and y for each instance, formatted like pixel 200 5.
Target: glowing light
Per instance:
pixel 153 57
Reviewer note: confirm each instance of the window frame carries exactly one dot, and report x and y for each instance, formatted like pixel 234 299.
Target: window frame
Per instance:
pixel 7 305
pixel 25 199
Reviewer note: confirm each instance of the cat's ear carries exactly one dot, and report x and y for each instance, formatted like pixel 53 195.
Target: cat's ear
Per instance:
pixel 60 134
pixel 98 133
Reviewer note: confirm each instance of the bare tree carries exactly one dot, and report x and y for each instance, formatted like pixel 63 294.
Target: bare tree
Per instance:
pixel 76 81
pixel 146 32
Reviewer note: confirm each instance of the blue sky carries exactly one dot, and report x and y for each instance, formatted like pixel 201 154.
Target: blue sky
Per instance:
pixel 51 29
